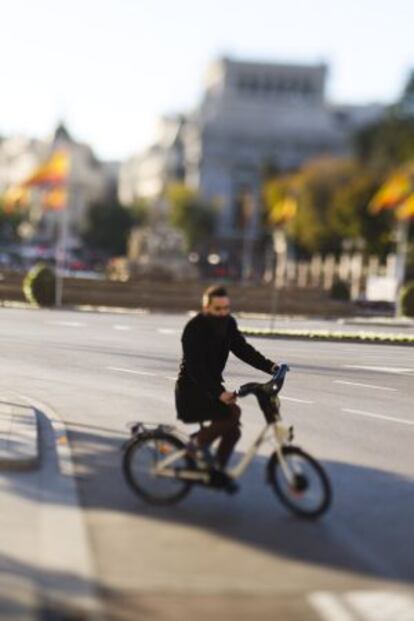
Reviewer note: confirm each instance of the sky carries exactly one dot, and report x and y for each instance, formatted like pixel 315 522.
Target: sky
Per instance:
pixel 110 68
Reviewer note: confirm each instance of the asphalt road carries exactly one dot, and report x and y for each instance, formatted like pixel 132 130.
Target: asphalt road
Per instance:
pixel 241 556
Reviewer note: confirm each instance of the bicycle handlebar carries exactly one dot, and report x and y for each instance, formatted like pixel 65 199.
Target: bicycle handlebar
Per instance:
pixel 271 387
pixel 280 374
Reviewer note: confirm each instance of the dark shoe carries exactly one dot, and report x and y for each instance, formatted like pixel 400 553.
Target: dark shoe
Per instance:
pixel 221 480
pixel 202 456
pixel 231 486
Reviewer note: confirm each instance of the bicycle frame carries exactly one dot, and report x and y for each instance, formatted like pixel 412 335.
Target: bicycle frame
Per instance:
pixel 275 431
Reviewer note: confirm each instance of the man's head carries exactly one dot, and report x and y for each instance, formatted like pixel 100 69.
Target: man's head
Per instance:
pixel 216 301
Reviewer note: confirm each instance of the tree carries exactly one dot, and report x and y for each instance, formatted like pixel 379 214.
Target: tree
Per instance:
pixel 405 106
pixel 386 144
pixel 190 213
pixel 107 228
pixel 139 211
pixel 331 197
pixel 9 222
pixel 389 142
pixel 353 220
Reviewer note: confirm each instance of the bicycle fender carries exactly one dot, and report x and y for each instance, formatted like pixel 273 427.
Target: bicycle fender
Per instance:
pixel 275 458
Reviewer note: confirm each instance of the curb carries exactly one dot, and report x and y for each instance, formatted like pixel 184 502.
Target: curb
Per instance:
pixel 339 337
pixel 19 441
pixel 67 554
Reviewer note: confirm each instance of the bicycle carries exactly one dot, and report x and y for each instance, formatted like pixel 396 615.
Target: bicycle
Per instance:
pixel 158 468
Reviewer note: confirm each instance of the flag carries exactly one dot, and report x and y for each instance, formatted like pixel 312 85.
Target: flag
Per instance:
pixel 284 210
pixel 391 193
pixel 55 199
pixel 405 210
pixel 53 172
pixel 15 196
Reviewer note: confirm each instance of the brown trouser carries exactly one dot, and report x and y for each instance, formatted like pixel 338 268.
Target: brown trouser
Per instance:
pixel 228 428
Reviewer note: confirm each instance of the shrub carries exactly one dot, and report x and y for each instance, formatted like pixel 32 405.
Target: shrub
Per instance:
pixel 340 290
pixel 39 285
pixel 407 300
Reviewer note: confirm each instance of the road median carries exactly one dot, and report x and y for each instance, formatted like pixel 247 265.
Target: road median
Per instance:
pixel 383 338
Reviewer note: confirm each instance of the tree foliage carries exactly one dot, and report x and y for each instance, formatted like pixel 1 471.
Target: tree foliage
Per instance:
pixel 139 211
pixel 387 144
pixel 332 197
pixel 193 216
pixel 9 222
pixel 107 227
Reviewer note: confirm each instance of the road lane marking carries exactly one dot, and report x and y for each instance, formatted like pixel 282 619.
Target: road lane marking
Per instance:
pixel 402 421
pixel 379 369
pixel 168 377
pixel 296 400
pixel 167 331
pixel 364 385
pixel 67 324
pixel 131 371
pixel 363 605
pixel 329 607
pixel 381 605
pixel 121 327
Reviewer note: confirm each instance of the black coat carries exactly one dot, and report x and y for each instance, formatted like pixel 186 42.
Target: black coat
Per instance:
pixel 205 353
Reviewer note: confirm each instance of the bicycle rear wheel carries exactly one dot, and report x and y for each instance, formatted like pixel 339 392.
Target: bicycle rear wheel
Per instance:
pixel 309 494
pixel 142 457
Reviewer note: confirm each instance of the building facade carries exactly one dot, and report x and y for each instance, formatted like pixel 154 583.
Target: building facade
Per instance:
pixel 252 115
pixel 91 181
pixel 145 175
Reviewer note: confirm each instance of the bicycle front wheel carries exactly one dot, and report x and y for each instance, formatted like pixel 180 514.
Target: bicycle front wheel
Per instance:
pixel 140 463
pixel 306 491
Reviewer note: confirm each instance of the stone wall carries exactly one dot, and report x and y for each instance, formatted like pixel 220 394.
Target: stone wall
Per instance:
pixel 185 296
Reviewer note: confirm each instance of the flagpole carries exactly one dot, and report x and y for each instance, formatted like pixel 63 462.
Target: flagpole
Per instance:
pixel 401 261
pixel 61 247
pixel 61 256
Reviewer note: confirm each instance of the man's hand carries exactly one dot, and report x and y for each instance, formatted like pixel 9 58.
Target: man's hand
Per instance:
pixel 227 397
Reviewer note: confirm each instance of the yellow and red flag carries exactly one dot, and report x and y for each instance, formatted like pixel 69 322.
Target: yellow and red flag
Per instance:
pixel 405 210
pixel 55 199
pixel 52 172
pixel 15 196
pixel 284 210
pixel 395 190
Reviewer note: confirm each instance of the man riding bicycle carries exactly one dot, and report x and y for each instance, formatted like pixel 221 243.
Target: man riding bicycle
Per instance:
pixel 200 395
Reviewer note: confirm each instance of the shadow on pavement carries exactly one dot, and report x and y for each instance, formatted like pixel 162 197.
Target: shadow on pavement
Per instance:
pixel 30 591
pixel 366 531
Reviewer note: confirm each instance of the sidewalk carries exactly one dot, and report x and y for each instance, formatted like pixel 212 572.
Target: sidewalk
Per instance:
pixel 18 435
pixel 46 569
